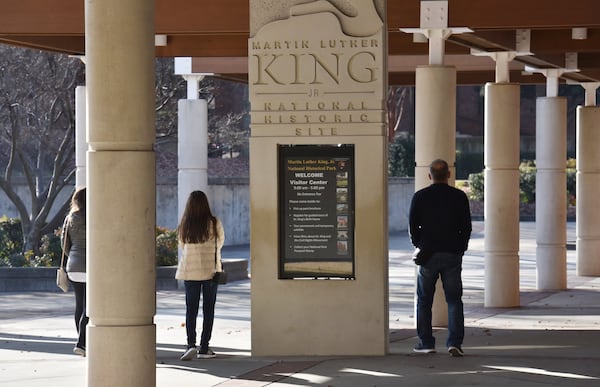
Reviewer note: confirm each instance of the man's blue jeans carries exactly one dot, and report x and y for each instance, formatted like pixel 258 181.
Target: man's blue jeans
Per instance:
pixel 193 290
pixel 448 266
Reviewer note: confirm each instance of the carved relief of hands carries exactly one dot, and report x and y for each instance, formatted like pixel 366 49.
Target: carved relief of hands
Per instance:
pixel 365 21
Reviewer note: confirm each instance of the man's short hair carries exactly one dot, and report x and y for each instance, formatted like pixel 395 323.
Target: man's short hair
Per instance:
pixel 438 169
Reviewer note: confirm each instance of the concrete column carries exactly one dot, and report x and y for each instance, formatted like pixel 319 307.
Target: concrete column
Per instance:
pixel 192 149
pixel 501 211
pixel 80 136
pixel 121 342
pixel 551 193
pixel 435 137
pixel 588 186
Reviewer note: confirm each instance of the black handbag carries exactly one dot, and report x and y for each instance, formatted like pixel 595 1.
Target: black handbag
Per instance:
pixel 220 277
pixel 421 256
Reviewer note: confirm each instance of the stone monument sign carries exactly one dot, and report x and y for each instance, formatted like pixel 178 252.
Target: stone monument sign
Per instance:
pixel 318 166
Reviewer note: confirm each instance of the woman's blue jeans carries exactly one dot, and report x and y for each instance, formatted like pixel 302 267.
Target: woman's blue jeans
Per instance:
pixel 448 266
pixel 193 290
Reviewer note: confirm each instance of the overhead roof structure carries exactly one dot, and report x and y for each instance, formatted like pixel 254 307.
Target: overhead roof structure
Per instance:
pixel 562 34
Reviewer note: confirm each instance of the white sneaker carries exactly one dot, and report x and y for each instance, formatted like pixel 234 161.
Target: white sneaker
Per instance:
pixel 420 348
pixel 455 351
pixel 208 354
pixel 189 354
pixel 79 351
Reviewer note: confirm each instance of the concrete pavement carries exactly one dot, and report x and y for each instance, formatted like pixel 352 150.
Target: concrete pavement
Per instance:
pixel 552 340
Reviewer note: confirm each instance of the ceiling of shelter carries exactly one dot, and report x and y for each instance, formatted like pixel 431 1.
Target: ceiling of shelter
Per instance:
pixel 215 34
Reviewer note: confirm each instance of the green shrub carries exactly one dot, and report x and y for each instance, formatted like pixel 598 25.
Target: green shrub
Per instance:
pixel 51 249
pixel 14 260
pixel 468 163
pixel 571 181
pixel 527 172
pixel 26 259
pixel 11 247
pixel 526 183
pixel 11 242
pixel 401 158
pixel 12 255
pixel 476 186
pixel 166 247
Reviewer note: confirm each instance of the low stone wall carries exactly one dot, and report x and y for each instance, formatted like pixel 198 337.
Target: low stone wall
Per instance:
pixel 230 201
pixel 43 279
pixel 400 192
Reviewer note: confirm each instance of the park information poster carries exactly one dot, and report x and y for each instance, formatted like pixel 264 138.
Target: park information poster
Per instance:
pixel 316 211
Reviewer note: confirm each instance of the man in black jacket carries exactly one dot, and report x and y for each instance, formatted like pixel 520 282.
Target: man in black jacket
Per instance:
pixel 440 223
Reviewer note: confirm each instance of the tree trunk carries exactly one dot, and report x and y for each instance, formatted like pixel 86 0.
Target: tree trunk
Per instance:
pixel 32 240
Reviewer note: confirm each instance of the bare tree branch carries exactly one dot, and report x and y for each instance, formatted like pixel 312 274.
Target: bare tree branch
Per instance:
pixel 56 221
pixel 38 88
pixel 14 197
pixel 14 134
pixel 29 178
pixel 54 187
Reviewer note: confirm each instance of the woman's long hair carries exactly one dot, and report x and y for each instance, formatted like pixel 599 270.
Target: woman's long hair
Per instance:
pixel 196 220
pixel 78 201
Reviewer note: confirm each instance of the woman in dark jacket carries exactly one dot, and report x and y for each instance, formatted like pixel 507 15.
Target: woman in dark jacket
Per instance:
pixel 73 240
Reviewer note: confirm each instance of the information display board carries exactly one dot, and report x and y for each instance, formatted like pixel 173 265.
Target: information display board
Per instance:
pixel 316 211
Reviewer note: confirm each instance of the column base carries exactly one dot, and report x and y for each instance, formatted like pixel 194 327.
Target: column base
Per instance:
pixel 501 280
pixel 588 257
pixel 551 261
pixel 121 356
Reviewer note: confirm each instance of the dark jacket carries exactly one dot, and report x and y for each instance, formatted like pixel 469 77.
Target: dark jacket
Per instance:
pixel 440 219
pixel 74 232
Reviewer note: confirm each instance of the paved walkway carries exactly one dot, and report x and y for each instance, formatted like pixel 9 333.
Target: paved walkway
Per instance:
pixel 552 340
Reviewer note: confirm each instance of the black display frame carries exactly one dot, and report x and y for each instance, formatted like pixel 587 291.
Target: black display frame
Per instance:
pixel 316 233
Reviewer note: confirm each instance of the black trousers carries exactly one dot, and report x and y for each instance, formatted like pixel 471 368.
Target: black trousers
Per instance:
pixel 81 318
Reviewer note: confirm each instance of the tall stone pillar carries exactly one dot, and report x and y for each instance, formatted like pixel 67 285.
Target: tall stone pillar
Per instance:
pixel 80 136
pixel 588 187
pixel 435 138
pixel 551 193
pixel 317 85
pixel 192 149
pixel 501 211
pixel 435 120
pixel 121 342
